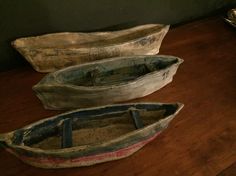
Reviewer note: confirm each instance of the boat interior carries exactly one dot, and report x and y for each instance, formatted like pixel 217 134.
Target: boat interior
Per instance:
pixel 113 73
pixel 83 40
pixel 91 127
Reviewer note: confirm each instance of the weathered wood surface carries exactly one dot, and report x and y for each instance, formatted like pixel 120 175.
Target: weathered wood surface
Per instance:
pixel 50 52
pixel 107 81
pixel 200 141
pixel 99 135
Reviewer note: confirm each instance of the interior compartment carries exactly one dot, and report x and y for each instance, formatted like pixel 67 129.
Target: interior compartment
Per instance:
pixel 93 128
pixel 114 73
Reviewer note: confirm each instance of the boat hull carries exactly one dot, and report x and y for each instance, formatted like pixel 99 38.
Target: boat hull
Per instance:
pixel 120 147
pixel 55 162
pixel 49 59
pixel 59 97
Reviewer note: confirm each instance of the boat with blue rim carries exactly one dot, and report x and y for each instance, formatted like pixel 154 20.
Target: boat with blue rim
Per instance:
pixel 89 136
pixel 107 81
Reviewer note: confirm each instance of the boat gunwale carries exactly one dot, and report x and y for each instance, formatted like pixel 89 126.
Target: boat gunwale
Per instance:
pixel 163 28
pixel 120 85
pixel 58 152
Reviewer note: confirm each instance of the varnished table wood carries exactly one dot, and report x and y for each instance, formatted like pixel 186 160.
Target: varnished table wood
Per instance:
pixel 200 141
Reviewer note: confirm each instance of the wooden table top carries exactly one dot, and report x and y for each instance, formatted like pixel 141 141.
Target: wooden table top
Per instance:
pixel 201 140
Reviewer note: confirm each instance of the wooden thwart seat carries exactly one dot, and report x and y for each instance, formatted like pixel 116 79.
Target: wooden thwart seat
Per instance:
pixel 136 118
pixel 67 134
pixel 66 139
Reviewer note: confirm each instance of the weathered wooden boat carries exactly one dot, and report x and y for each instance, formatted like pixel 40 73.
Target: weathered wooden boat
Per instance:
pixel 47 53
pixel 89 136
pixel 106 81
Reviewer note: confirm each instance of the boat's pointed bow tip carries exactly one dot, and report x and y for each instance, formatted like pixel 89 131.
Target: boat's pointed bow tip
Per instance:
pixel 180 60
pixel 180 106
pixel 167 26
pixel 14 43
pixel 35 88
pixel 17 43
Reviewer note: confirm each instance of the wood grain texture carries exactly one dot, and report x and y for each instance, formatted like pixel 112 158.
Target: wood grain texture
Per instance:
pixel 200 141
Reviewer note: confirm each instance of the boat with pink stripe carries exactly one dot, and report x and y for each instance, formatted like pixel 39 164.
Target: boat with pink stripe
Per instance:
pixel 89 136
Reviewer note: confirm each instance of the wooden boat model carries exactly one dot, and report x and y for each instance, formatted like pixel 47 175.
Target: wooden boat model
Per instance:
pixel 106 81
pixel 231 17
pixel 50 52
pixel 89 136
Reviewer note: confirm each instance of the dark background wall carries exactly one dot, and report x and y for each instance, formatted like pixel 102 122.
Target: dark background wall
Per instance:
pixel 20 18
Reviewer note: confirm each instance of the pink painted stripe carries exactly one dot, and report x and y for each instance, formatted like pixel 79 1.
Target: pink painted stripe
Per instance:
pixel 90 159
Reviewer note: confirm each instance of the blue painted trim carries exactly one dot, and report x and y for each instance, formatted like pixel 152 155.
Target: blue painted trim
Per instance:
pixel 66 139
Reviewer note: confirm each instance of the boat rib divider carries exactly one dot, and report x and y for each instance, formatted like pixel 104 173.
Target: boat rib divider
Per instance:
pixel 66 140
pixel 66 130
pixel 136 118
